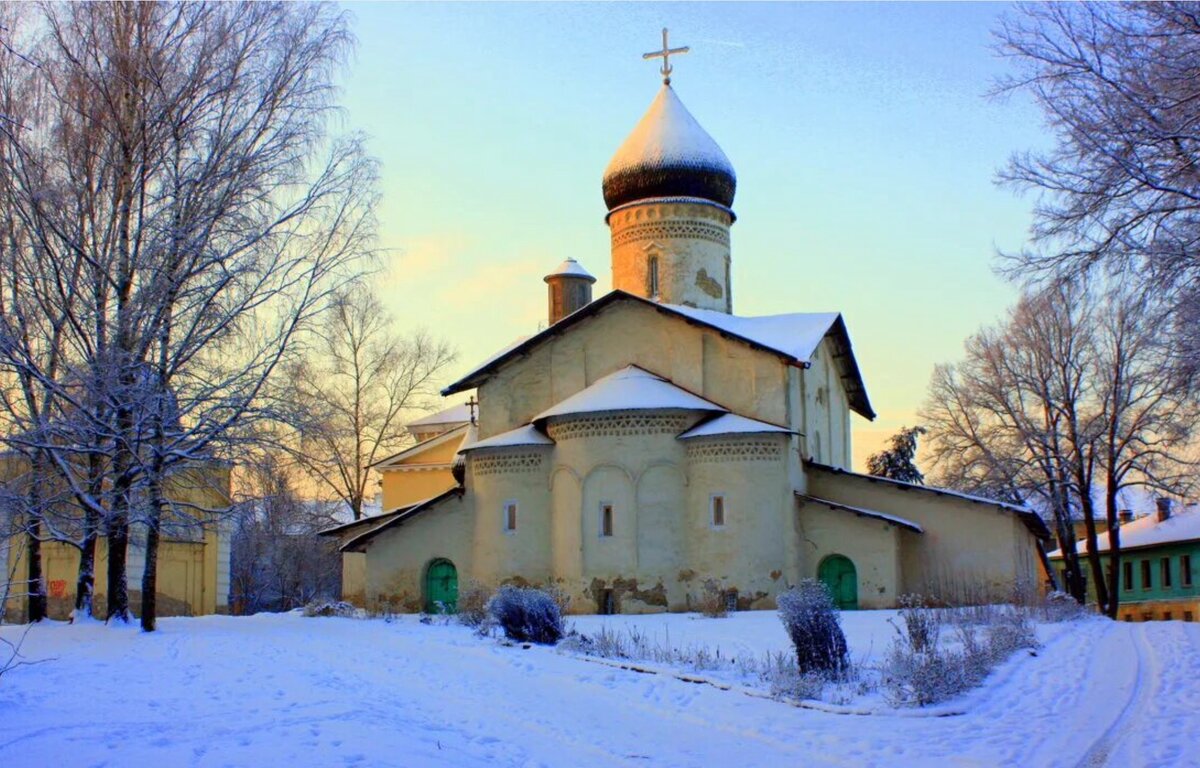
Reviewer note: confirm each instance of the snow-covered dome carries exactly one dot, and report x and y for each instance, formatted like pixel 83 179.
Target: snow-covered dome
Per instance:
pixel 570 268
pixel 668 155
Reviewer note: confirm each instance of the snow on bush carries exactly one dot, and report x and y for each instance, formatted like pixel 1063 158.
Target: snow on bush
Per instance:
pixel 473 604
pixel 527 615
pixel 921 670
pixel 332 608
pixel 811 621
pixel 712 600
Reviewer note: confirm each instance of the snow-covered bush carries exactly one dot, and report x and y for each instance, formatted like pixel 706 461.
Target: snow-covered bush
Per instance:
pixel 331 608
pixel 473 604
pixel 1060 606
pixel 527 615
pixel 712 600
pixel 922 624
pixel 812 623
pixel 921 670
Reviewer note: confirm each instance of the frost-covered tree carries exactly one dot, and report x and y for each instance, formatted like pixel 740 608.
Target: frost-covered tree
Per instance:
pixel 351 391
pixel 898 461
pixel 1119 85
pixel 177 214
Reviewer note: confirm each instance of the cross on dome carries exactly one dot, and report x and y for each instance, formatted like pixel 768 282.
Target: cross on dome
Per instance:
pixel 665 55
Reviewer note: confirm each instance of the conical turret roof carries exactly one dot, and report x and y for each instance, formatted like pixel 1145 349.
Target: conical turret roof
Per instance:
pixel 668 154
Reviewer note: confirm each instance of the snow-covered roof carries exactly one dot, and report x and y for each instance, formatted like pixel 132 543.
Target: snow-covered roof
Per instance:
pixel 1032 521
pixel 793 337
pixel 1147 531
pixel 862 512
pixel 796 335
pixel 526 435
pixel 571 268
pixel 459 432
pixel 629 389
pixel 668 154
pixel 732 424
pixel 455 414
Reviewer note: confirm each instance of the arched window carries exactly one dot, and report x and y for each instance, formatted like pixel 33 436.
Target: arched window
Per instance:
pixel 652 277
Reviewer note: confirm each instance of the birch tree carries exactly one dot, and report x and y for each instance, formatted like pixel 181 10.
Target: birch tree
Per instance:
pixel 182 190
pixel 351 391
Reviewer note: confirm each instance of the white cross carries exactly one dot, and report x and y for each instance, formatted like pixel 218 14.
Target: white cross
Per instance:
pixel 665 55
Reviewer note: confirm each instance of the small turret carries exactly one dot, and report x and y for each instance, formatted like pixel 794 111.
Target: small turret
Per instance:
pixel 570 289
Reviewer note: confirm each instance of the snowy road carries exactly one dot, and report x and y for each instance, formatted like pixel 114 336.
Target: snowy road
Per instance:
pixel 284 690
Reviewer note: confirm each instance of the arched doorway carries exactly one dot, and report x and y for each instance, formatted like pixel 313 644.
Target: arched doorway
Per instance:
pixel 441 587
pixel 838 573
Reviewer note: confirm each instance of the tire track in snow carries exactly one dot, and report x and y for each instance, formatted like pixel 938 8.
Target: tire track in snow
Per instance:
pixel 1147 671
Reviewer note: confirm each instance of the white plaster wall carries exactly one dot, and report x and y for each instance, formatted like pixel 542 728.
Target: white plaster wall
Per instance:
pixel 872 545
pixel 691 243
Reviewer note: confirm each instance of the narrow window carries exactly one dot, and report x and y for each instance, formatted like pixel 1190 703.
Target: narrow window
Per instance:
pixel 1128 617
pixel 652 277
pixel 1146 580
pixel 510 516
pixel 1127 572
pixel 606 519
pixel 1164 569
pixel 1166 615
pixel 1185 570
pixel 717 507
pixel 1187 616
pixel 1147 617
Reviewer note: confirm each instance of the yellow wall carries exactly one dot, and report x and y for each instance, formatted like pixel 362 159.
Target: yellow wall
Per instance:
pixel 419 476
pixel 189 582
pixel 969 551
pixel 874 546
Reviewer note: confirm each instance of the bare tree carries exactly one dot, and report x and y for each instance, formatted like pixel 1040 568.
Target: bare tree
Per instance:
pixel 278 562
pixel 180 200
pixel 1069 399
pixel 1118 85
pixel 352 391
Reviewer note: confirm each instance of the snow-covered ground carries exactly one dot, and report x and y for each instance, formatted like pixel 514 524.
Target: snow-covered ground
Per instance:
pixel 284 690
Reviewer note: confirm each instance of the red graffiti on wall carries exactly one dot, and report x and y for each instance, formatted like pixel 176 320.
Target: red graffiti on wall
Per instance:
pixel 58 588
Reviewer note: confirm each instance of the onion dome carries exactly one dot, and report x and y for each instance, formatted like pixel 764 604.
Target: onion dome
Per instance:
pixel 668 154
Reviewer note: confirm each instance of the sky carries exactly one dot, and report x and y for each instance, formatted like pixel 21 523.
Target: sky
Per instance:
pixel 865 144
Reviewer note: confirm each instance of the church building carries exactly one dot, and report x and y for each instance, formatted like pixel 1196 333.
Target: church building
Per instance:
pixel 651 440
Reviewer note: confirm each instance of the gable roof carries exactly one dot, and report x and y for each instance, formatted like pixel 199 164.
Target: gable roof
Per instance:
pixel 1032 521
pixel 405 514
pixel 792 337
pixel 1183 525
pixel 629 389
pixel 414 450
pixel 455 414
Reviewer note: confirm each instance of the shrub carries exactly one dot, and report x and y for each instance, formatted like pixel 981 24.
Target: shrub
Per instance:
pixel 712 600
pixel 922 623
pixel 527 615
pixel 331 608
pixel 811 621
pixel 473 604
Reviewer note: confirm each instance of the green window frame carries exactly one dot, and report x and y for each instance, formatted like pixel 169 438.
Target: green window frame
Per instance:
pixel 1185 570
pixel 1127 575
pixel 1164 572
pixel 1147 576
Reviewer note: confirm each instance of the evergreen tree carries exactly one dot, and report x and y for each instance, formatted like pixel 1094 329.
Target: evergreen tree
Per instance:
pixel 898 460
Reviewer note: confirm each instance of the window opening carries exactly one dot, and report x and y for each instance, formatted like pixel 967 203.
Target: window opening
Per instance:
pixel 717 507
pixel 606 519
pixel 510 516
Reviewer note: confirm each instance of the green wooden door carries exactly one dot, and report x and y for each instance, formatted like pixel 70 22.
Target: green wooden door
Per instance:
pixel 837 572
pixel 441 587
